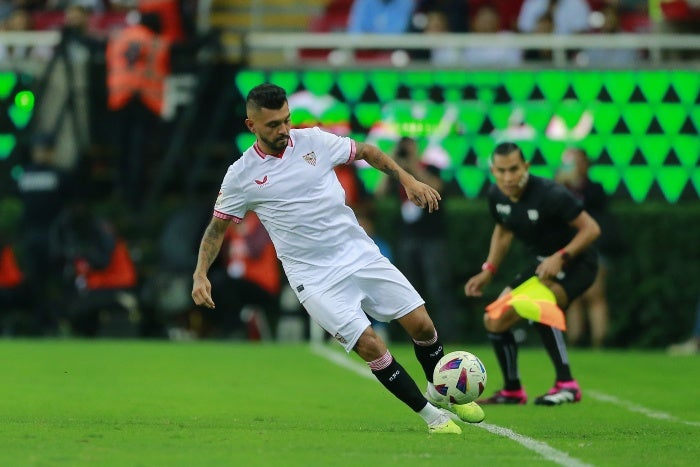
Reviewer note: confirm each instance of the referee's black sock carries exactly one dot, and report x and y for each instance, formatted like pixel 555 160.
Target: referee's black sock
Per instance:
pixel 506 350
pixel 553 341
pixel 395 378
pixel 428 354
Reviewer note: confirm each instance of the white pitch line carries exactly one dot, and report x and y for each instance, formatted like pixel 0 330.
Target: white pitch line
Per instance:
pixel 541 448
pixel 632 407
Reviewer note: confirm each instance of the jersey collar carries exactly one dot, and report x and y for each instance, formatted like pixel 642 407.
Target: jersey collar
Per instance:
pixel 263 155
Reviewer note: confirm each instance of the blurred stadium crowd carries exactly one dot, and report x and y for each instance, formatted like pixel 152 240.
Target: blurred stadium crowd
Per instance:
pixel 87 248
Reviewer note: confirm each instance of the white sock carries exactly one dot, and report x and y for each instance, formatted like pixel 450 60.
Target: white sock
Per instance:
pixel 431 414
pixel 433 393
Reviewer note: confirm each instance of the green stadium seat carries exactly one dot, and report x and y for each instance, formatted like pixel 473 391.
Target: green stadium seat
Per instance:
pixel 686 83
pixel 471 180
pixel 7 144
pixel 672 181
pixel 352 84
pixel 607 175
pixel 587 85
pixel 654 85
pixel 638 180
pixel 289 80
pixel 553 84
pixel 655 149
pixel 385 84
pixel 8 80
pixel 247 80
pixel 319 82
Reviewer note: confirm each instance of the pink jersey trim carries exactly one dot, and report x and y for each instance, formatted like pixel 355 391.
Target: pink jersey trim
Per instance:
pixel 227 217
pixel 353 150
pixel 263 155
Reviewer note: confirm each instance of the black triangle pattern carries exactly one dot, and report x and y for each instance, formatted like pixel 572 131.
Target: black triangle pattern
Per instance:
pixel 437 94
pixel 604 158
pixel 536 94
pixel 486 127
pixel 688 127
pixel 570 93
pixel 638 158
pixel 604 95
pixel 655 191
pixel 654 127
pixel 538 158
pixel 688 193
pixel 671 96
pixel 672 158
pixel 621 127
pixel 369 95
pixel 637 96
pixel 403 92
pixel 470 158
pixel 469 93
pixel 502 96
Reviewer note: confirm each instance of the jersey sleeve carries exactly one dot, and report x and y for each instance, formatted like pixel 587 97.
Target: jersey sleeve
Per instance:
pixel 340 148
pixel 230 202
pixel 563 203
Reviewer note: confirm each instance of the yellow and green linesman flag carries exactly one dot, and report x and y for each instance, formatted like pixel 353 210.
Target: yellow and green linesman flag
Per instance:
pixel 533 301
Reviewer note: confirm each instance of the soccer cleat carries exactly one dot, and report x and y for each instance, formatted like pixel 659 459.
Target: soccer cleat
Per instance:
pixel 444 426
pixel 506 397
pixel 561 393
pixel 470 413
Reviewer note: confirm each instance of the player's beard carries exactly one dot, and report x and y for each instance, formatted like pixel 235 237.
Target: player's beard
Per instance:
pixel 277 145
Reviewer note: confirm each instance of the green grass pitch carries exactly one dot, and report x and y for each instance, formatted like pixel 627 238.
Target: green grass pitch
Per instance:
pixel 136 403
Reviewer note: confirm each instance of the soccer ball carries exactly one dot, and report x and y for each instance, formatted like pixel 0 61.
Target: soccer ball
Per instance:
pixel 460 376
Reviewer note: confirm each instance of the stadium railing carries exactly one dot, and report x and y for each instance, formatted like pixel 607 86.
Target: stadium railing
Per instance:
pixel 285 49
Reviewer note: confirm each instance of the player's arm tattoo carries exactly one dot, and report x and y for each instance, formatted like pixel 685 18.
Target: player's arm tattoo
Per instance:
pixel 377 159
pixel 211 242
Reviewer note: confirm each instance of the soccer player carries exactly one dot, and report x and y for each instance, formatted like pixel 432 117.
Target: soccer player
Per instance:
pixel 335 269
pixel 551 222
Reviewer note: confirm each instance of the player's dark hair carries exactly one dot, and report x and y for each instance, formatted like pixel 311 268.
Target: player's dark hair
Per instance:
pixel 505 148
pixel 266 96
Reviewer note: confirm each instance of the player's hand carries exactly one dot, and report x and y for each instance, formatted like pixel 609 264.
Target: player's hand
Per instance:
pixel 423 195
pixel 550 266
pixel 474 285
pixel 201 292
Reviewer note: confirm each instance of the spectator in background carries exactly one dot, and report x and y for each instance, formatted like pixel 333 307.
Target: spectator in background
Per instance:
pixel 455 12
pixel 610 18
pixel 380 16
pixel 98 271
pixel 138 63
pixel 543 25
pixel 568 16
pixel 487 20
pixel 590 310
pixel 44 190
pixel 248 294
pixel 20 20
pixel 422 251
pixel 437 22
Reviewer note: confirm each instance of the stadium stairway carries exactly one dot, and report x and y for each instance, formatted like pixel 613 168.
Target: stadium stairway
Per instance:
pixel 237 17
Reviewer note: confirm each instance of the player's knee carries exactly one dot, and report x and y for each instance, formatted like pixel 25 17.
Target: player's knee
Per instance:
pixel 370 346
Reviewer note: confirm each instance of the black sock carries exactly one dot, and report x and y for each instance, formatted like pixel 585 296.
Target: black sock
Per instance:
pixel 507 354
pixel 428 354
pixel 553 340
pixel 395 378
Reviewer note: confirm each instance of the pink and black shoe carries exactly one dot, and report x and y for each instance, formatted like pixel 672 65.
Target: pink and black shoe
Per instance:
pixel 505 396
pixel 561 393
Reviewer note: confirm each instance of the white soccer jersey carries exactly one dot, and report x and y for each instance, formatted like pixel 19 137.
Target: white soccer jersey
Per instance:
pixel 301 203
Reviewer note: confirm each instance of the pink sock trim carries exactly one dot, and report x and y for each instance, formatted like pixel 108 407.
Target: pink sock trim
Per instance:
pixel 382 362
pixel 428 342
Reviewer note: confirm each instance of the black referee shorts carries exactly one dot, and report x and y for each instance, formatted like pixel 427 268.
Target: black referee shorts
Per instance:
pixel 577 276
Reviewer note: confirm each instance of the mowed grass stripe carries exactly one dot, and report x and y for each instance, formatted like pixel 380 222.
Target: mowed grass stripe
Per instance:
pixel 116 403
